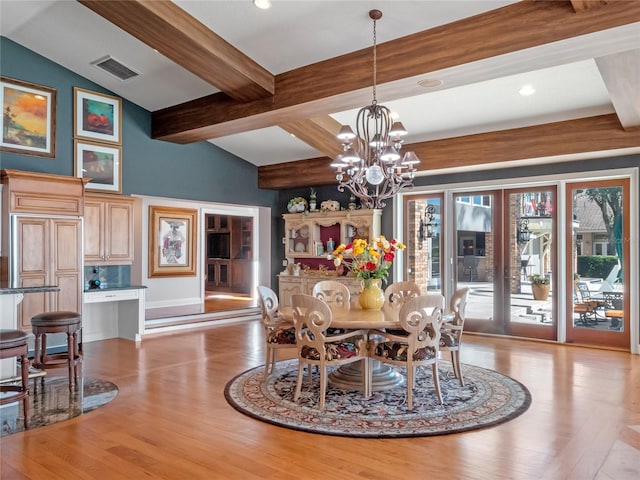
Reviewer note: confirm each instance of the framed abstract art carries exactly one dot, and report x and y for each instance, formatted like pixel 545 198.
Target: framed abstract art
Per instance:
pixel 101 163
pixel 97 117
pixel 28 118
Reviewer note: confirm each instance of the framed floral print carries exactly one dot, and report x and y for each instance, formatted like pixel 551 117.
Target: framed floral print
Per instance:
pixel 28 118
pixel 172 241
pixel 101 163
pixel 97 117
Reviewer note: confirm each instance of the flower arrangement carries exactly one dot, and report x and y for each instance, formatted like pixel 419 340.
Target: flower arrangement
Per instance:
pixel 369 260
pixel 537 279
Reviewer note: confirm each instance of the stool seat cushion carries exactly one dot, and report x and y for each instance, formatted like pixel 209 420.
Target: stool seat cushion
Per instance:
pixel 12 338
pixel 50 319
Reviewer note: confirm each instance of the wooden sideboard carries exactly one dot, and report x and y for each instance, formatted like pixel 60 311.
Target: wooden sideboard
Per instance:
pixel 304 283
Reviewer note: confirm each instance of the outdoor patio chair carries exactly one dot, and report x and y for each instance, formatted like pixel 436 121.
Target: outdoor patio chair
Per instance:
pixel 613 309
pixel 584 305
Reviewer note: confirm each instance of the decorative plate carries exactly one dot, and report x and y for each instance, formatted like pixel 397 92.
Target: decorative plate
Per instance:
pixel 300 247
pixel 297 204
pixel 304 232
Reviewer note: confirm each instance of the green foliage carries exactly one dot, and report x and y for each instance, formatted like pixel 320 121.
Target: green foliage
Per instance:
pixel 537 279
pixel 596 266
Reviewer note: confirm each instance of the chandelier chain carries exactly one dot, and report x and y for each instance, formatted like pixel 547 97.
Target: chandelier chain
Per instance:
pixel 375 63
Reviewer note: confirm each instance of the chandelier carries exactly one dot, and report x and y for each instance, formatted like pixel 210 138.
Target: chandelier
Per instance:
pixel 371 167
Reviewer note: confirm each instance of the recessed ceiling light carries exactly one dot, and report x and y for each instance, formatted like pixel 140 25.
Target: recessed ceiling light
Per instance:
pixel 430 82
pixel 263 4
pixel 527 90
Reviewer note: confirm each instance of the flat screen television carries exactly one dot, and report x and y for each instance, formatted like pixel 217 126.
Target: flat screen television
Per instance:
pixel 218 245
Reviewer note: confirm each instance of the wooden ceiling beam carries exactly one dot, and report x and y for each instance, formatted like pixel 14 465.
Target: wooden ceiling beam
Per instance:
pixel 599 133
pixel 585 5
pixel 343 82
pixel 174 33
pixel 621 75
pixel 318 132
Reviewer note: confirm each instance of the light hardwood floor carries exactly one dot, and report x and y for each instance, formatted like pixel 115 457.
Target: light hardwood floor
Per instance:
pixel 170 421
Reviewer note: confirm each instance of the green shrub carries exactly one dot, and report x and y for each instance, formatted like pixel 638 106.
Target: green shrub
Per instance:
pixel 596 266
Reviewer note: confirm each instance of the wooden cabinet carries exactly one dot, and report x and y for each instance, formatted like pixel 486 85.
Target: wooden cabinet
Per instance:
pixel 42 240
pixel 108 230
pixel 304 283
pixel 218 274
pixel 306 235
pixel 47 250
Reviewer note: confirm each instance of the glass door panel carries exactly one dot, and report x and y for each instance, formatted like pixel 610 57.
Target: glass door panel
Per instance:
pixel 529 260
pixel 598 247
pixel 504 239
pixel 477 251
pixel 423 221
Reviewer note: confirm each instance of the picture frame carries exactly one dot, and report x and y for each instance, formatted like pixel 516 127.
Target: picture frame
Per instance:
pixel 97 117
pixel 28 122
pixel 172 241
pixel 101 163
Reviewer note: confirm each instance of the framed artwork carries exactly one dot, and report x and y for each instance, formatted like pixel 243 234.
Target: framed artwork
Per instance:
pixel 97 117
pixel 101 163
pixel 172 242
pixel 28 118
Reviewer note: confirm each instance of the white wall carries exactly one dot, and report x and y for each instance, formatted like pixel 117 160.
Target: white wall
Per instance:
pixel 183 290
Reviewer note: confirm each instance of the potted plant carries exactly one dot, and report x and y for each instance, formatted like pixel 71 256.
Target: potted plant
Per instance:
pixel 540 285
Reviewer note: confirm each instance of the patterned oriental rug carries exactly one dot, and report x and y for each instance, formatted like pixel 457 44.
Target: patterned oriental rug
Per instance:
pixel 487 399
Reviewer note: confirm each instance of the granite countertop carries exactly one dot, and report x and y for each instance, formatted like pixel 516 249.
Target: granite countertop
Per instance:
pixel 109 287
pixel 44 288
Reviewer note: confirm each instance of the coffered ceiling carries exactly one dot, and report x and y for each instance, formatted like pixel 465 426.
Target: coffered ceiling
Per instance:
pixel 273 86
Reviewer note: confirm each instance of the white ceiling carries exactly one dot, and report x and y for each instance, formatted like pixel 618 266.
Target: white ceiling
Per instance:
pixel 474 98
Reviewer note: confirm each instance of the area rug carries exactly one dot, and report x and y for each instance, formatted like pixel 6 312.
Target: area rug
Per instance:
pixel 55 402
pixel 487 399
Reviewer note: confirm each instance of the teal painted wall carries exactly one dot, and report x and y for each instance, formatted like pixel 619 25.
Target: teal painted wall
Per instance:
pixel 199 171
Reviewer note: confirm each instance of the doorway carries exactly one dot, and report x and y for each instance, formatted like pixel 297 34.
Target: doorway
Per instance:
pixel 500 243
pixel 229 255
pixel 598 230
pixel 503 245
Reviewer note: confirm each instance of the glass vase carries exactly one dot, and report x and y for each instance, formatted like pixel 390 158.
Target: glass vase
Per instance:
pixel 372 297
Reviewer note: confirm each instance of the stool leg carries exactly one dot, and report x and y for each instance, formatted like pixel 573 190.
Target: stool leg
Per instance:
pixel 43 348
pixel 70 352
pixel 36 358
pixel 24 367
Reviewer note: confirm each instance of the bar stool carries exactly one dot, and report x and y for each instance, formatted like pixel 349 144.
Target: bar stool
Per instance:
pixel 57 322
pixel 13 343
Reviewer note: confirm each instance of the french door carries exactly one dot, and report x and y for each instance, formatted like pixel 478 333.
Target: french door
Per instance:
pixel 495 242
pixel 597 263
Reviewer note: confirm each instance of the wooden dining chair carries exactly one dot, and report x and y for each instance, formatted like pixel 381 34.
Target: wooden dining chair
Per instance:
pixel 312 318
pixel 279 333
pixel 336 295
pixel 417 347
pixel 451 332
pixel 396 293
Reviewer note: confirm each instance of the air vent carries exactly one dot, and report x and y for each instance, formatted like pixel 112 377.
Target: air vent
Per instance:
pixel 115 68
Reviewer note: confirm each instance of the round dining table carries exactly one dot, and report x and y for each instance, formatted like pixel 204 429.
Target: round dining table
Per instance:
pixel 349 377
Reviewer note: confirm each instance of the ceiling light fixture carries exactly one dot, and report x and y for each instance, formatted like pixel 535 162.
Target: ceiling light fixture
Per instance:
pixel 262 4
pixel 527 90
pixel 371 166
